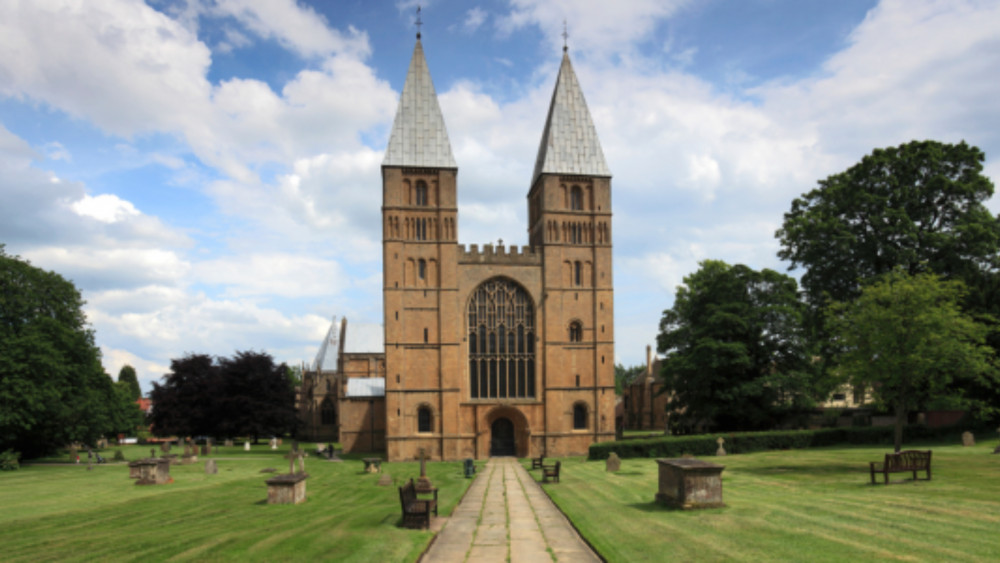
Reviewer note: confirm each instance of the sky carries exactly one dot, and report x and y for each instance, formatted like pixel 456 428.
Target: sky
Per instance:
pixel 207 172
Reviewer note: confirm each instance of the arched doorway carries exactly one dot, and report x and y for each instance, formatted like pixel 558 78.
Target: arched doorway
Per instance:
pixel 502 441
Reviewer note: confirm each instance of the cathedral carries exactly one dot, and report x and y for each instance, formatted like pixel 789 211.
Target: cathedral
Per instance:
pixel 491 350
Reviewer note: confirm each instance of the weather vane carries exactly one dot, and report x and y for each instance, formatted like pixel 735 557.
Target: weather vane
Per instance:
pixel 419 23
pixel 565 36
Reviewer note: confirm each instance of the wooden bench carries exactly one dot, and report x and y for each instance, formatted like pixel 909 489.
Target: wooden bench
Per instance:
pixel 551 471
pixel 906 460
pixel 537 462
pixel 416 511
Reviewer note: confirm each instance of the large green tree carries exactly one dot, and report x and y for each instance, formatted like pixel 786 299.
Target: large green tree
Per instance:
pixel 128 377
pixel 736 355
pixel 906 338
pixel 918 206
pixel 53 389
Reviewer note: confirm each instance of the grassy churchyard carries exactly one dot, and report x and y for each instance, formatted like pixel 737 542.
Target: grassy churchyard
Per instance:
pixel 795 505
pixel 64 512
pixel 801 505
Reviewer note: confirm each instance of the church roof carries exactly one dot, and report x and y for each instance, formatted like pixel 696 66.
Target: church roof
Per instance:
pixel 365 387
pixel 569 141
pixel 358 338
pixel 419 137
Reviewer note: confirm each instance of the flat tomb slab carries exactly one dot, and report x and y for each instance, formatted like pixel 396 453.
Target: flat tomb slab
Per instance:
pixel 688 483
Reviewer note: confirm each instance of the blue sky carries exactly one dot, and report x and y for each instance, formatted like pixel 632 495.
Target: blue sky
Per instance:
pixel 207 171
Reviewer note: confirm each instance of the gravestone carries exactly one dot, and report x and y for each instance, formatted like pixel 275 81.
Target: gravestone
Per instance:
pixel 968 439
pixel 613 463
pixel 246 446
pixel 385 480
pixel 423 482
pixel 274 443
pixel 165 447
pixel 721 450
pixel 206 449
pixel 228 443
pixel 210 467
pixel 190 454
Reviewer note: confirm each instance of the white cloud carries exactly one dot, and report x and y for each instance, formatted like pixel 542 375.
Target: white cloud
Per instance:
pixel 474 19
pixel 594 26
pixel 117 63
pixel 106 208
pixel 296 27
pixel 273 275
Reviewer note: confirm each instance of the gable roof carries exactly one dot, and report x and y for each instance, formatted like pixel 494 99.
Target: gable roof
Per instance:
pixel 419 137
pixel 569 141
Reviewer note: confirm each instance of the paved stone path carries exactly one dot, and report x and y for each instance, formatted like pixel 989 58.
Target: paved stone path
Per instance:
pixel 505 516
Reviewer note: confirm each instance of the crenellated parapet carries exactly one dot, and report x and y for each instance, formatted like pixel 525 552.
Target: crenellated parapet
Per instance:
pixel 498 254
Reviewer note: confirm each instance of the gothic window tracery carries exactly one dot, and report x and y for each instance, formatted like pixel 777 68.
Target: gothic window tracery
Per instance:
pixel 501 336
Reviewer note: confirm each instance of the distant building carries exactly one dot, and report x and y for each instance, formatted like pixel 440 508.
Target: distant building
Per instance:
pixel 342 397
pixel 645 405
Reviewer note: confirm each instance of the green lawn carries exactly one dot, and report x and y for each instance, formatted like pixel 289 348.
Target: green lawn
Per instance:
pixel 64 512
pixel 807 505
pixel 813 505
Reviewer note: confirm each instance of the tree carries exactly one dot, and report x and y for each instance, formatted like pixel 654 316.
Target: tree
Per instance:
pixel 906 338
pixel 626 376
pixel 736 355
pixel 918 206
pixel 127 376
pixel 184 404
pixel 53 389
pixel 257 398
pixel 244 395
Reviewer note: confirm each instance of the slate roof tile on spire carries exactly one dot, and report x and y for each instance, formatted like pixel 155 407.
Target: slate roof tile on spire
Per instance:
pixel 419 137
pixel 569 141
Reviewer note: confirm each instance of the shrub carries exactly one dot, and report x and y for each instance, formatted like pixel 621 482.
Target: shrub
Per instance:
pixel 8 461
pixel 119 456
pixel 747 442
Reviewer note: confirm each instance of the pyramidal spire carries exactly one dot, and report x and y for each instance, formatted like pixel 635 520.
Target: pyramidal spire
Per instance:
pixel 569 141
pixel 419 137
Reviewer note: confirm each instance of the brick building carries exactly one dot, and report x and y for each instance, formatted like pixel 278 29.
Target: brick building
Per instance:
pixel 644 402
pixel 495 350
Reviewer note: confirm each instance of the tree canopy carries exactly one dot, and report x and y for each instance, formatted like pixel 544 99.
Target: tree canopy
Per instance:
pixel 128 377
pixel 53 389
pixel 906 338
pixel 918 206
pixel 244 395
pixel 736 356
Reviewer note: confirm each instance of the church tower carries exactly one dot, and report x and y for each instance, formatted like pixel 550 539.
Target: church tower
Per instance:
pixel 419 212
pixel 496 350
pixel 569 218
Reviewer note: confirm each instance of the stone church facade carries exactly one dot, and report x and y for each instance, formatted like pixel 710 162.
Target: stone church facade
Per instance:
pixel 496 350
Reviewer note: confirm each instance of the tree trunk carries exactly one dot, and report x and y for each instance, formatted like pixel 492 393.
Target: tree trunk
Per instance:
pixel 900 417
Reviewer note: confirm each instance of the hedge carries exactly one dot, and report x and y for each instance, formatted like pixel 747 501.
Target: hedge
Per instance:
pixel 746 442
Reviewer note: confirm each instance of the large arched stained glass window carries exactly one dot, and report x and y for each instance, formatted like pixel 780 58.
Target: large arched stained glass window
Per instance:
pixel 501 333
